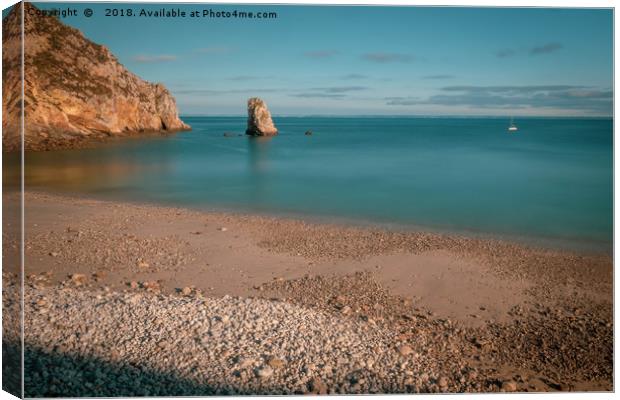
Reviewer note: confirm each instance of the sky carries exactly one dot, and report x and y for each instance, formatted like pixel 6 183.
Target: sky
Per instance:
pixel 336 60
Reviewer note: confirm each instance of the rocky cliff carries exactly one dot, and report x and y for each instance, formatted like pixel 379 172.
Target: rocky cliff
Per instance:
pixel 259 119
pixel 74 89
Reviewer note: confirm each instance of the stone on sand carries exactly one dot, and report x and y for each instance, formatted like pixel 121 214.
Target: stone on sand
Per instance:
pixel 405 350
pixel 509 386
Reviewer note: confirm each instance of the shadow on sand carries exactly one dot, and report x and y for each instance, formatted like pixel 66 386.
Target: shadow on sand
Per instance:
pixel 63 375
pixel 11 369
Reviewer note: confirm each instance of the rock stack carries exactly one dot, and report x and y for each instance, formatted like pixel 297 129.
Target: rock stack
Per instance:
pixel 259 119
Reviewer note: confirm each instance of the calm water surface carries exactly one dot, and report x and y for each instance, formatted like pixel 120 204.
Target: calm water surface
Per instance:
pixel 550 183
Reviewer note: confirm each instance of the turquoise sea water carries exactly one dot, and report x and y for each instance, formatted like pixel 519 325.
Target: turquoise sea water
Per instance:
pixel 549 183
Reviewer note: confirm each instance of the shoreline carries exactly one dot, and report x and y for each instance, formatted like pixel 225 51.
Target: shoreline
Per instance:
pixel 73 141
pixel 586 247
pixel 517 318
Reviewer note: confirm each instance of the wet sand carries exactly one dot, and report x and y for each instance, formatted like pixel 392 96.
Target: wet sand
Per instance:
pixel 477 314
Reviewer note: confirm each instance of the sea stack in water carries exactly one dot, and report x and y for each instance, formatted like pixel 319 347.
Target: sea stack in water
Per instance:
pixel 259 119
pixel 74 89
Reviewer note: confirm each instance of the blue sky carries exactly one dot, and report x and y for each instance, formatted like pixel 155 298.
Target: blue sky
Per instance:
pixel 369 60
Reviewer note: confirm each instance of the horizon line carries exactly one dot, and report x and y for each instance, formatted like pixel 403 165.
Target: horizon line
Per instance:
pixel 405 116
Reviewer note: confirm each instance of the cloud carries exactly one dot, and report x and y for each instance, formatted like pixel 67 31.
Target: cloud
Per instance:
pixel 341 89
pixel 439 76
pixel 383 58
pixel 589 94
pixel 318 54
pixel 212 50
pixel 333 92
pixel 141 58
pixel 510 89
pixel 145 58
pixel 353 76
pixel 319 95
pixel 503 53
pixel 536 50
pixel 243 78
pixel 546 48
pixel 326 92
pixel 402 101
pixel 208 92
pixel 565 97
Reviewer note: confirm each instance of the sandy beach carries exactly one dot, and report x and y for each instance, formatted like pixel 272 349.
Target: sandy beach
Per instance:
pixel 191 302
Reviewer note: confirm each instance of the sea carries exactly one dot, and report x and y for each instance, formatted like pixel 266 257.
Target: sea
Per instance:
pixel 549 184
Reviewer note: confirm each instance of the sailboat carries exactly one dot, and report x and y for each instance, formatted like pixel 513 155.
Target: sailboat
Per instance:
pixel 512 127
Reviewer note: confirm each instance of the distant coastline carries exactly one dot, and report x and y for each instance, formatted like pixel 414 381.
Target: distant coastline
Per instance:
pixel 275 115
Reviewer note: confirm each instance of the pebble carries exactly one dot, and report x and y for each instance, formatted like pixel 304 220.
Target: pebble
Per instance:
pixel 509 386
pixel 442 382
pixel 99 275
pixel 151 285
pixel 264 372
pixel 275 362
pixel 186 291
pixel 317 386
pixel 309 368
pixel 405 350
pixel 79 279
pixel 244 362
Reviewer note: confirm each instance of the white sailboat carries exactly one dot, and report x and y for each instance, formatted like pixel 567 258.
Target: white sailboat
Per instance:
pixel 512 127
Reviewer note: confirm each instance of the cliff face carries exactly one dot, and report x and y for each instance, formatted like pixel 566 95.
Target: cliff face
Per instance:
pixel 74 89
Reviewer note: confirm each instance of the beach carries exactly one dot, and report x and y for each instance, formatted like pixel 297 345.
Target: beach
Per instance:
pixel 196 302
